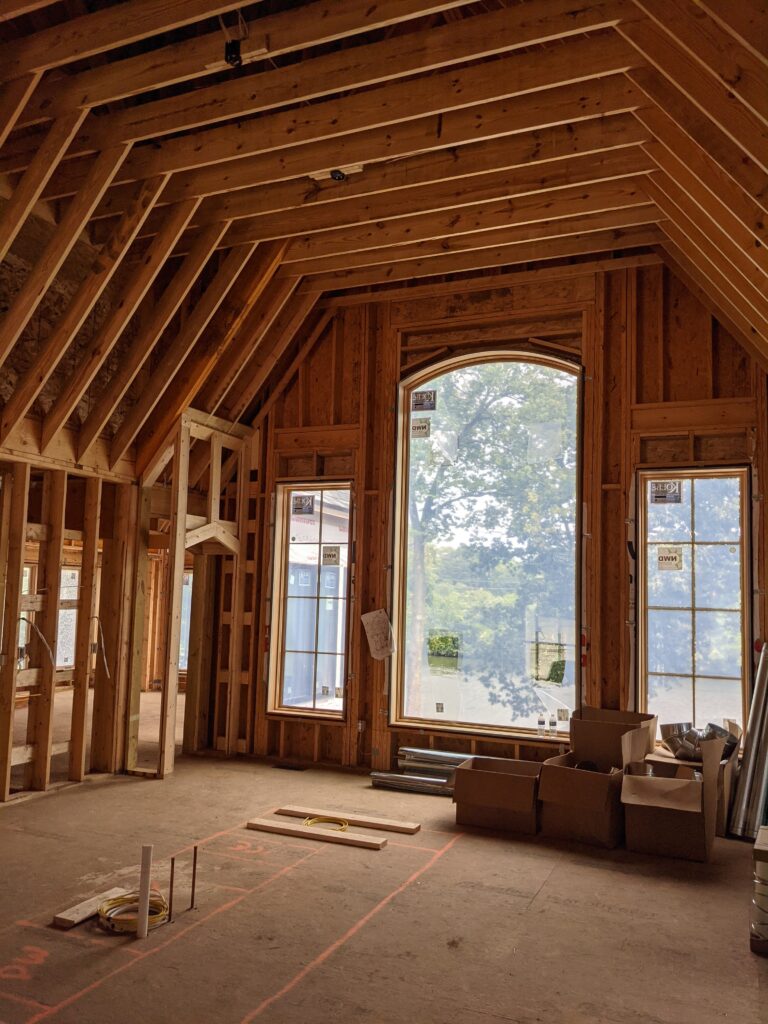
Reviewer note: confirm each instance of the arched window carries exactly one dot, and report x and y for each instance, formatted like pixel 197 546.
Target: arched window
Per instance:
pixel 486 606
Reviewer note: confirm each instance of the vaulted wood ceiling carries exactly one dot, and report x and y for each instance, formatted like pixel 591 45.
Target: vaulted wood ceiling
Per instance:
pixel 191 207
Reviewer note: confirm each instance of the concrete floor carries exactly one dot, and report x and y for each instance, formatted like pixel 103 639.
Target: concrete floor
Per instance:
pixel 438 927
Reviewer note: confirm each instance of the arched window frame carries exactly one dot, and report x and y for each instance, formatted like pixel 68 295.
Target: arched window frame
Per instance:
pixel 407 386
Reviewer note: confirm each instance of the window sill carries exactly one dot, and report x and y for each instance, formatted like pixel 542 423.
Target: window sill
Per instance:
pixel 512 736
pixel 307 714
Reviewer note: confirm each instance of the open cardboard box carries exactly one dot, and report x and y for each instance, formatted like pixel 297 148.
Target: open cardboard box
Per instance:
pixel 498 793
pixel 596 734
pixel 671 813
pixel 726 780
pixel 580 804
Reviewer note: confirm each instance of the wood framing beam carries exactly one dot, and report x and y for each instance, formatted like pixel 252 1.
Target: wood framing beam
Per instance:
pixel 711 239
pixel 699 87
pixel 444 245
pixel 505 212
pixel 746 21
pixel 264 359
pixel 64 237
pixel 179 347
pixel 598 241
pixel 573 60
pixel 713 299
pixel 443 195
pixel 717 181
pixel 601 137
pixel 10 9
pixel 136 287
pixel 197 700
pixel 15 482
pixel 85 632
pixel 172 625
pixel 711 207
pixel 103 30
pixel 311 25
pixel 35 178
pixel 53 348
pixel 180 374
pixel 709 138
pixel 484 35
pixel 270 360
pixel 559 105
pixel 159 318
pixel 735 67
pixel 24 446
pixel 13 97
pixel 753 328
pixel 41 708
pixel 224 375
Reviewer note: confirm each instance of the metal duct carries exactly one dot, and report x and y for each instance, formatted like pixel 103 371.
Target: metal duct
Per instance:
pixel 747 812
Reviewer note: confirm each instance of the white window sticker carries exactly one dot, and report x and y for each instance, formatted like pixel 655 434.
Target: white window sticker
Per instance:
pixel 666 492
pixel 670 556
pixel 421 427
pixel 303 505
pixel 424 401
pixel 331 554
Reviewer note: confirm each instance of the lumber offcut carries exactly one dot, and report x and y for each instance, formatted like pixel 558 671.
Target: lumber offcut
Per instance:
pixel 323 835
pixel 363 820
pixel 88 908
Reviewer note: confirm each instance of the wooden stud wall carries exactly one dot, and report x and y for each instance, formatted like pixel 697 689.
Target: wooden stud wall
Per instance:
pixel 665 384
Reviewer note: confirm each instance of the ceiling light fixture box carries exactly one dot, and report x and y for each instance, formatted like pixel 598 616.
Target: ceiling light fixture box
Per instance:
pixel 673 812
pixel 498 793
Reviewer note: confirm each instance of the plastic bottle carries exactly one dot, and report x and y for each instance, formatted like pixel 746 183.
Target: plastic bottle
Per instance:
pixel 542 723
pixel 552 724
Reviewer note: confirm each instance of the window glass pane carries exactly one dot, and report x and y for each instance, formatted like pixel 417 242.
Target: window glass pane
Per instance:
pixel 716 700
pixel 718 576
pixel 490 589
pixel 298 672
pixel 186 613
pixel 717 508
pixel 718 643
pixel 331 625
pixel 669 642
pixel 65 642
pixel 671 698
pixel 300 624
pixel 669 575
pixel 333 579
pixel 330 682
pixel 26 579
pixel 302 570
pixel 69 585
pixel 668 520
pixel 304 512
pixel 335 517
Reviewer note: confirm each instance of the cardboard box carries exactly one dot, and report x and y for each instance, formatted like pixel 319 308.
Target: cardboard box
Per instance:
pixel 596 734
pixel 581 805
pixel 726 780
pixel 671 813
pixel 493 792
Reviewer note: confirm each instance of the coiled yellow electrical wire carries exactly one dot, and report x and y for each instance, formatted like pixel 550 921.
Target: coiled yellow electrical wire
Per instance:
pixel 340 823
pixel 120 914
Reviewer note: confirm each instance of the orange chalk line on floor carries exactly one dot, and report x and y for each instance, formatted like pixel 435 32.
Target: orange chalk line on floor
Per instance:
pixel 76 996
pixel 350 933
pixel 22 1001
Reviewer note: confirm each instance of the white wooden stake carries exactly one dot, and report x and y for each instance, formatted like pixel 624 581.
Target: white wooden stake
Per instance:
pixel 142 921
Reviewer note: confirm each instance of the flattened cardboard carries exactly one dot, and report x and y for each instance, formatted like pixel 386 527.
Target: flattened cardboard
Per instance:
pixel 671 813
pixel 498 793
pixel 581 805
pixel 596 734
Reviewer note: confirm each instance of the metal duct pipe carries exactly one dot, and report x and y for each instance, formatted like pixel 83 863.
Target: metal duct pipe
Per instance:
pixel 751 788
